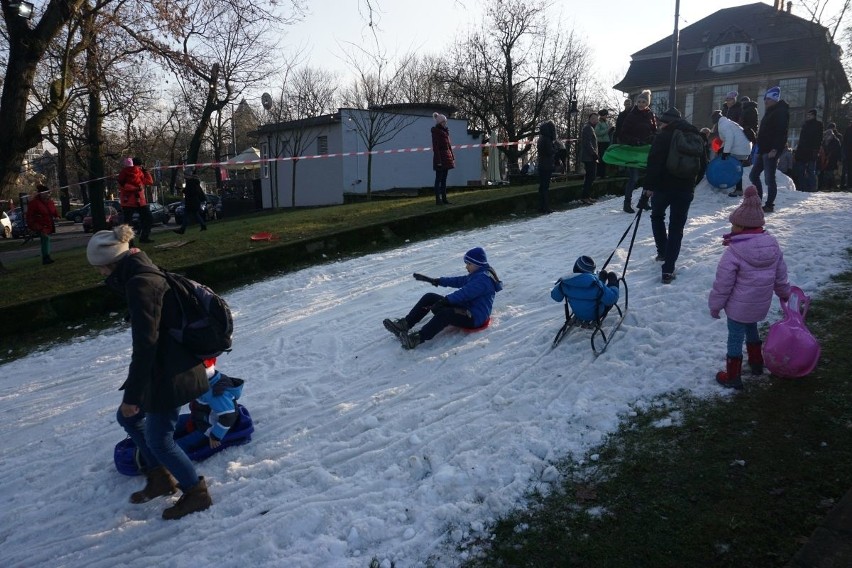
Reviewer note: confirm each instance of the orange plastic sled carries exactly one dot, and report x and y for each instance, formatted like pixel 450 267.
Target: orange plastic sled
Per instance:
pixel 264 236
pixel 475 329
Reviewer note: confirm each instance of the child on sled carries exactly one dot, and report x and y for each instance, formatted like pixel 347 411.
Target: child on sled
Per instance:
pixel 590 295
pixel 213 413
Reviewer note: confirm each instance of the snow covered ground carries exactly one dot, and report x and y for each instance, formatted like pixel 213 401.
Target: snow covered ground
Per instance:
pixel 364 450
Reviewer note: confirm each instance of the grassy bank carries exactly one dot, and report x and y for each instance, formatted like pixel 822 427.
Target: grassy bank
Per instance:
pixel 740 481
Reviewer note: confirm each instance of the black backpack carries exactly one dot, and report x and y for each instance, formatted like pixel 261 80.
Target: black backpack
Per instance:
pixel 206 321
pixel 686 151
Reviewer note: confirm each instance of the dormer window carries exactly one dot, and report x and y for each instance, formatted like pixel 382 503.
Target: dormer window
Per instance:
pixel 729 54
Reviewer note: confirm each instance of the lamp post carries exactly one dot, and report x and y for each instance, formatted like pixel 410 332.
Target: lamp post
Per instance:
pixel 25 9
pixel 673 67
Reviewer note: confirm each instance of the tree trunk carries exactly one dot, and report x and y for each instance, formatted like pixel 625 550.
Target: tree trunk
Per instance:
pixel 210 106
pixel 94 135
pixel 293 184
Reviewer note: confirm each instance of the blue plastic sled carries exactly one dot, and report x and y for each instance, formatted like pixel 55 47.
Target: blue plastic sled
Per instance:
pixel 724 174
pixel 127 458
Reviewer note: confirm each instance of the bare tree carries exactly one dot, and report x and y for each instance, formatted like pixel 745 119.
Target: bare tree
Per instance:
pixel 829 65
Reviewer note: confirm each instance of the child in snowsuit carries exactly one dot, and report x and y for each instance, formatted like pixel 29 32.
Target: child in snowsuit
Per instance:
pixel 213 413
pixel 590 296
pixel 468 307
pixel 749 271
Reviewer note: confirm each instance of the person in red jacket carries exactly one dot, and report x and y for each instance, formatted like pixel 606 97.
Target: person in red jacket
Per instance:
pixel 443 159
pixel 41 211
pixel 132 180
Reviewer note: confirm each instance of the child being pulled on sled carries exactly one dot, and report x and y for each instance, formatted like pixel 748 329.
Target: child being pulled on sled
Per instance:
pixel 750 270
pixel 590 295
pixel 213 413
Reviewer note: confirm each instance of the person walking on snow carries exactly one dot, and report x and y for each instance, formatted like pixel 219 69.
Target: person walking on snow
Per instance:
pixel 132 180
pixel 443 159
pixel 546 159
pixel 468 307
pixel 750 270
pixel 771 141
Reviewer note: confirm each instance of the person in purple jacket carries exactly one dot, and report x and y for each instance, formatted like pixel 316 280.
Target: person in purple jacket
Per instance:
pixel 468 307
pixel 750 270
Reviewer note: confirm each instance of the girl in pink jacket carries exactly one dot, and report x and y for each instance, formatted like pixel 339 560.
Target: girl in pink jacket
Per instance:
pixel 750 270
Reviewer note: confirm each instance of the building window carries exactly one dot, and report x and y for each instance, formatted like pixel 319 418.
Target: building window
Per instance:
pixel 659 102
pixel 719 92
pixel 264 165
pixel 730 54
pixel 793 135
pixel 794 91
pixel 322 145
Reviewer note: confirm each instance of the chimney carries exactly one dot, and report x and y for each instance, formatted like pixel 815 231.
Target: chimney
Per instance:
pixel 778 4
pixel 790 6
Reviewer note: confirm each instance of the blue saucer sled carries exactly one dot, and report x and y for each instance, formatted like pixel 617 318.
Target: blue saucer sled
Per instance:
pixel 127 458
pixel 724 174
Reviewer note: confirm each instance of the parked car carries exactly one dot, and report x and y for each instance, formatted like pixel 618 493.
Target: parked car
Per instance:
pixel 6 225
pixel 113 218
pixel 210 210
pixel 77 215
pixel 159 214
pixel 19 228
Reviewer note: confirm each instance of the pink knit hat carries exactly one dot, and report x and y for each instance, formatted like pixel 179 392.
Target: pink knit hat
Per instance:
pixel 127 162
pixel 750 212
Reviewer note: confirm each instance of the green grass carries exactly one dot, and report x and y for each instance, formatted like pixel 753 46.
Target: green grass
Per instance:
pixel 739 481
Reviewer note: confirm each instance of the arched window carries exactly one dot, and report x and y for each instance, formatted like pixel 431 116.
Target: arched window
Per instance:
pixel 729 54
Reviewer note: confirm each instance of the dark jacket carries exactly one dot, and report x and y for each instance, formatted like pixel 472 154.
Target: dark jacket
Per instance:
pixel 639 127
pixel 749 120
pixel 847 143
pixel 588 144
pixel 809 141
pixel 657 177
pixel 193 195
pixel 772 134
pixel 163 375
pixel 619 123
pixel 734 113
pixel 545 145
pixel 830 155
pixel 442 151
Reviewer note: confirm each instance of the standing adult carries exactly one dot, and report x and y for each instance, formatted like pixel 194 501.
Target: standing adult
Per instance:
pixel 443 159
pixel 846 156
pixel 771 140
pixel 193 197
pixel 602 129
pixel 749 118
pixel 807 151
pixel 829 159
pixel 162 377
pixel 133 199
pixel 589 156
pixel 732 109
pixel 638 129
pixel 619 122
pixel 41 212
pixel 668 191
pixel 735 145
pixel 546 158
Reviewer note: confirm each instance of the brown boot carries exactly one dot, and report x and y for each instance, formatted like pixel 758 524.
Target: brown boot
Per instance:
pixel 755 357
pixel 159 482
pixel 194 499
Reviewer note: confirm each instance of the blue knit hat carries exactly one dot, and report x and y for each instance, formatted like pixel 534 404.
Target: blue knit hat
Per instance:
pixel 476 256
pixel 584 264
pixel 774 93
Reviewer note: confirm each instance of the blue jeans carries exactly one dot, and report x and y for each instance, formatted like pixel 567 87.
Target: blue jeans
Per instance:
pixel 668 243
pixel 154 435
pixel 442 317
pixel 632 178
pixel 738 331
pixel 806 174
pixel 766 165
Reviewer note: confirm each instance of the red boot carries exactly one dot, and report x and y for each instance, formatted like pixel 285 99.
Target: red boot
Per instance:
pixel 730 377
pixel 755 357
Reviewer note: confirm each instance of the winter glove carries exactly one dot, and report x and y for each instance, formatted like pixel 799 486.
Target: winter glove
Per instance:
pixel 440 304
pixel 423 278
pixel 612 280
pixel 714 314
pixel 602 275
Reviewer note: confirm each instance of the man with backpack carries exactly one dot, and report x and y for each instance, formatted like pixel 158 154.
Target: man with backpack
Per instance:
pixel 164 374
pixel 771 141
pixel 676 162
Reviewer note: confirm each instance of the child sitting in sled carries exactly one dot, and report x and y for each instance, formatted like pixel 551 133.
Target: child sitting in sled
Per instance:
pixel 213 413
pixel 590 295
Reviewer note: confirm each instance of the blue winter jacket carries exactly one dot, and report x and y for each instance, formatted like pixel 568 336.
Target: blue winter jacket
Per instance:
pixel 215 411
pixel 583 291
pixel 475 292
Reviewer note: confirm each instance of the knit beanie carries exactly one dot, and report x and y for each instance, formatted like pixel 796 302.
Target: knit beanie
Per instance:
pixel 774 93
pixel 127 162
pixel 41 188
pixel 670 115
pixel 476 256
pixel 584 264
pixel 750 213
pixel 646 94
pixel 439 118
pixel 108 247
pixel 732 95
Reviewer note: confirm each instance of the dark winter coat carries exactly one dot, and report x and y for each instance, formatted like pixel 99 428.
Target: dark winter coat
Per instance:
pixel 830 154
pixel 588 144
pixel 40 216
pixel 639 127
pixel 162 375
pixel 749 120
pixel 475 292
pixel 619 123
pixel 847 144
pixel 809 141
pixel 772 134
pixel 193 195
pixel 546 145
pixel 734 112
pixel 657 176
pixel 442 149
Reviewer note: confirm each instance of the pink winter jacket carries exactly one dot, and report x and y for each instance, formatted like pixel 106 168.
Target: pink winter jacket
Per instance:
pixel 749 271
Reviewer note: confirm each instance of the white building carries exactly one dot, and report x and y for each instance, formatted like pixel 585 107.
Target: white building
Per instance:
pixel 323 175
